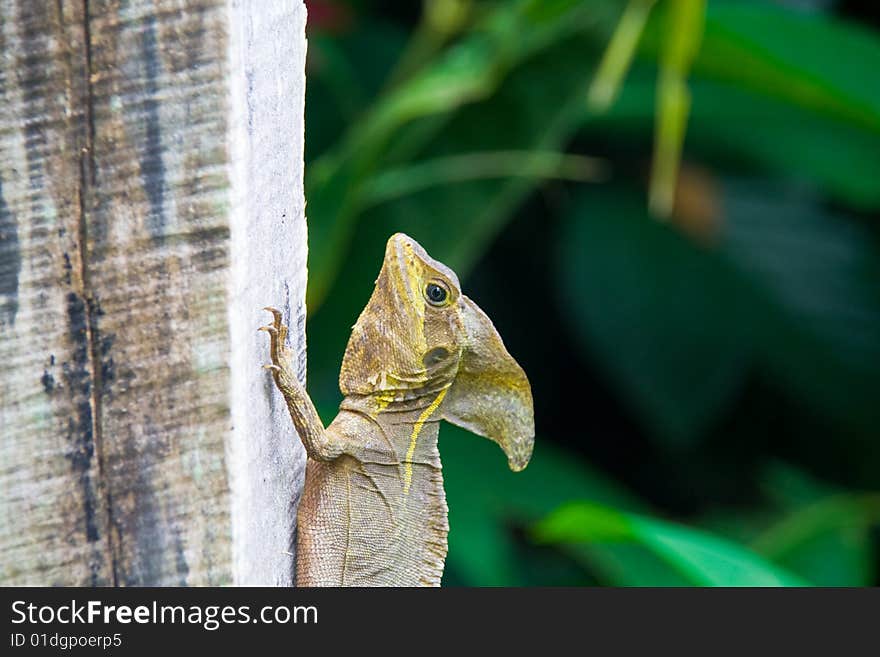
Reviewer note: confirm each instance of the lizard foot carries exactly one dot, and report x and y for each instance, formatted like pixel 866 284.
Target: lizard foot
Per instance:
pixel 278 351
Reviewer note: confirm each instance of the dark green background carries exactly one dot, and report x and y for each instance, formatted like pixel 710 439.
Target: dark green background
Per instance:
pixel 706 388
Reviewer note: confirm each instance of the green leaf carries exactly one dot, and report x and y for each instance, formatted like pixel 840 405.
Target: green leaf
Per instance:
pixel 626 564
pixel 617 59
pixel 442 171
pixel 824 532
pixel 795 143
pixel 793 93
pixel 792 142
pixel 809 60
pixel 705 560
pixel 486 499
pixel 829 541
pixel 684 31
pixel 709 560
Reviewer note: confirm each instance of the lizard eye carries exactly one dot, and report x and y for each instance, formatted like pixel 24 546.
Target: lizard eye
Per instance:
pixel 435 294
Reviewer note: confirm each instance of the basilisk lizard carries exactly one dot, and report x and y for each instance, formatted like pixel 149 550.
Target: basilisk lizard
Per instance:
pixel 373 511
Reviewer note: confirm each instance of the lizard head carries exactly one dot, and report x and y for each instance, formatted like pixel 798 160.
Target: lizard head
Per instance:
pixel 420 337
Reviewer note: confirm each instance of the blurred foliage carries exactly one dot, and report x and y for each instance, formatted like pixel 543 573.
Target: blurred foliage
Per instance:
pixel 701 558
pixel 670 210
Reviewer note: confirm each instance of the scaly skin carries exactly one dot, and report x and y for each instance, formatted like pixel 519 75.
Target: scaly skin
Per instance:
pixel 373 512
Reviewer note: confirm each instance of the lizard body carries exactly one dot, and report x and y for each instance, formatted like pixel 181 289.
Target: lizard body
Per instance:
pixel 373 511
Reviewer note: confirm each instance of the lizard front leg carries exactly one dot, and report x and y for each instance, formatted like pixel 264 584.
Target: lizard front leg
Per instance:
pixel 319 443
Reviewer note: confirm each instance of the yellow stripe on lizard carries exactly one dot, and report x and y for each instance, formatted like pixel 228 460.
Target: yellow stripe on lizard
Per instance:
pixel 417 429
pixel 382 399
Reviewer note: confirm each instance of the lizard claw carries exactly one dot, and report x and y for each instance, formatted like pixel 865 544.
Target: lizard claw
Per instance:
pixel 277 324
pixel 277 336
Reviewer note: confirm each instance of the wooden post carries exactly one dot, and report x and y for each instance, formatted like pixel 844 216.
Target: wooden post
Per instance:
pixel 151 203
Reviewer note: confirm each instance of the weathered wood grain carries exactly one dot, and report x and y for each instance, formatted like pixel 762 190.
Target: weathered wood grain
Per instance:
pixel 54 527
pixel 150 205
pixel 268 268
